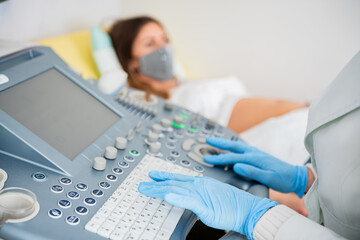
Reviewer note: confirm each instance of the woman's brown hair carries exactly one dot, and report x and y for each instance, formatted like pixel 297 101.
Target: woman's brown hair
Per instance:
pixel 123 34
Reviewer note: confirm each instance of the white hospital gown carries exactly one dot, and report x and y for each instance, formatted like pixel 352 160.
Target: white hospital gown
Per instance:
pixel 212 98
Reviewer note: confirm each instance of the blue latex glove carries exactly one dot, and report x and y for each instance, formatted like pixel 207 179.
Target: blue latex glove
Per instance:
pixel 252 163
pixel 217 204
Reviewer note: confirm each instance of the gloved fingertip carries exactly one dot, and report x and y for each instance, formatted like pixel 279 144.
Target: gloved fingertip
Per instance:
pixel 208 159
pixel 158 175
pixel 143 186
pixel 153 174
pixel 240 170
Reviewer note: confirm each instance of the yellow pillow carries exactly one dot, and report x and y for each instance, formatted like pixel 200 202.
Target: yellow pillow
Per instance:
pixel 75 50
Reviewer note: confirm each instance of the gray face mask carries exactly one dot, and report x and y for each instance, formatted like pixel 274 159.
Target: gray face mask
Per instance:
pixel 158 64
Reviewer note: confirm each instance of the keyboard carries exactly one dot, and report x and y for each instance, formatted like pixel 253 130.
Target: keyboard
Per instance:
pixel 128 214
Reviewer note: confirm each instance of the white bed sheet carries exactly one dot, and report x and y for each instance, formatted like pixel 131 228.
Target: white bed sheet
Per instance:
pixel 282 137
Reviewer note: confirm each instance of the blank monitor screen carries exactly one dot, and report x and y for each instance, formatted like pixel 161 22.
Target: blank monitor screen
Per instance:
pixel 58 111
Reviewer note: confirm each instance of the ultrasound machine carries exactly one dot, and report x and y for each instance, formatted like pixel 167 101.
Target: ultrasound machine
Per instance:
pixel 71 158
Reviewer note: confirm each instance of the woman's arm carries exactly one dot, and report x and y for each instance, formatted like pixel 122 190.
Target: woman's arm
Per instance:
pixel 249 112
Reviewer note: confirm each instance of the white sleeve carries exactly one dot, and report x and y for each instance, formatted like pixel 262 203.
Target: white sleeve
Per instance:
pixel 281 222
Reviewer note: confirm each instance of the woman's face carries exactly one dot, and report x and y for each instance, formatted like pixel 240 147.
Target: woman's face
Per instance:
pixel 150 37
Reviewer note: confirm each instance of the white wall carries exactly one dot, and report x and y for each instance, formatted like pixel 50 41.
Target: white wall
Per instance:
pixel 279 48
pixel 28 20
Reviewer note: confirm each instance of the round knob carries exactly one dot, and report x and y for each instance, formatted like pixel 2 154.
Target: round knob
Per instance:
pixel 156 128
pixel 130 135
pixel 178 120
pixel 121 143
pixel 155 148
pixel 138 126
pixel 110 152
pixel 211 124
pixel 152 137
pixel 99 163
pixel 165 123
pixel 168 106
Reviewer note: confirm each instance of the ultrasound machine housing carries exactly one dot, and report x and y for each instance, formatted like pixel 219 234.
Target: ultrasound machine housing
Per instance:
pixel 44 142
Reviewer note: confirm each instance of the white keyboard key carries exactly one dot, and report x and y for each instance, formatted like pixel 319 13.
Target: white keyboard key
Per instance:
pixel 146 237
pixel 123 227
pixel 155 224
pixel 117 234
pixel 163 235
pixel 149 231
pixel 92 226
pixel 105 230
pixel 165 205
pixel 103 212
pixel 113 219
pixel 160 216
pixel 132 236
pixel 98 219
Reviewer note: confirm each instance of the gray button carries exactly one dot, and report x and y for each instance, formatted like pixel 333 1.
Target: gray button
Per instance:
pixel 187 144
pixel 185 163
pixel 55 213
pixel 172 139
pixel 104 185
pixel 64 203
pixel 174 153
pixel 40 177
pixel 73 195
pixel 81 186
pixel 199 168
pixel 201 140
pixel 170 145
pixel 57 189
pixel 171 159
pixel 129 158
pixel 65 181
pixel 72 220
pixel 81 210
pixel 97 193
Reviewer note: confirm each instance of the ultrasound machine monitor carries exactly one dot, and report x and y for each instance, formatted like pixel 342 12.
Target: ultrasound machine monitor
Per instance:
pixel 71 158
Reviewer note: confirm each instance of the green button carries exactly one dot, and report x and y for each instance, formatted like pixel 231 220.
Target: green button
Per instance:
pixel 184 116
pixel 177 125
pixel 134 153
pixel 193 129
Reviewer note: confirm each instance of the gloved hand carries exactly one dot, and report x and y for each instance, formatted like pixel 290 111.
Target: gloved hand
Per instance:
pixel 217 204
pixel 252 163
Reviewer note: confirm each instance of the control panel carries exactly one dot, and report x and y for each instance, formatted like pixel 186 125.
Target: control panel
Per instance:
pixel 66 149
